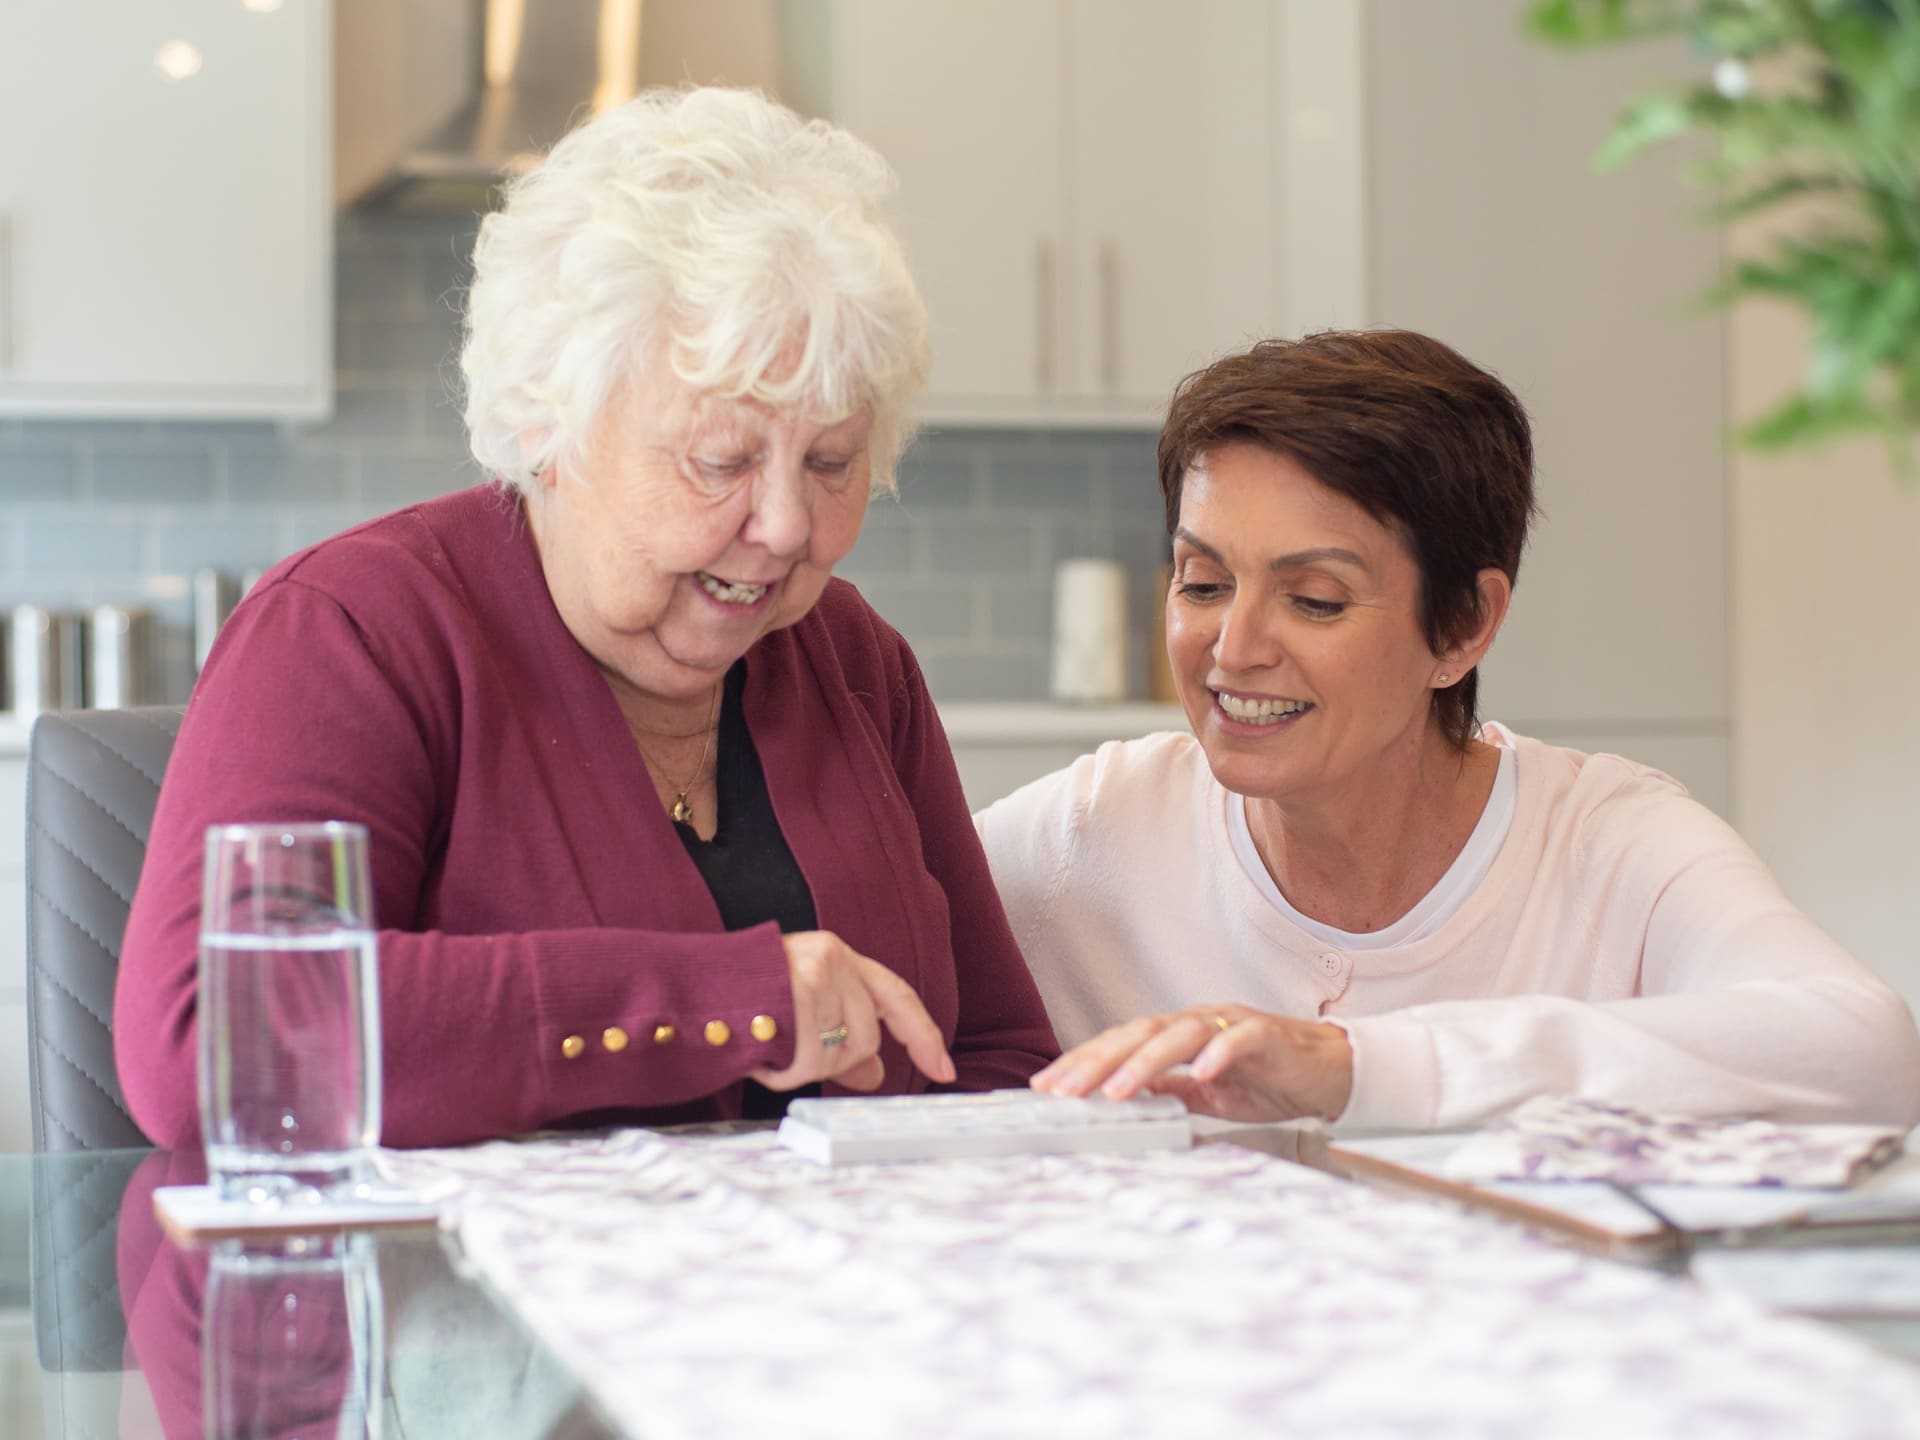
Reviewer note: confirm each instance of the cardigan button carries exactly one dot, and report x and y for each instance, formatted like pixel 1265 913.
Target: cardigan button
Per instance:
pixel 573 1047
pixel 662 1034
pixel 718 1032
pixel 764 1027
pixel 614 1038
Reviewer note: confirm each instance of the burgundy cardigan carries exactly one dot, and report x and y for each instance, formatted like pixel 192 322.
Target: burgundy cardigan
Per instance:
pixel 412 674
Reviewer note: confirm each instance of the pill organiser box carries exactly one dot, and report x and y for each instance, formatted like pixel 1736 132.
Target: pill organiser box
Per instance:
pixel 997 1122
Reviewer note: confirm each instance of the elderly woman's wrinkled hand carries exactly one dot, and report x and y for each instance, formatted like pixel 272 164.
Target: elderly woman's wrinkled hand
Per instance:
pixel 841 999
pixel 1242 1064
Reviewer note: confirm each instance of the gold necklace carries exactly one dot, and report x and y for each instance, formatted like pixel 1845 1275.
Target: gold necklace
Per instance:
pixel 682 811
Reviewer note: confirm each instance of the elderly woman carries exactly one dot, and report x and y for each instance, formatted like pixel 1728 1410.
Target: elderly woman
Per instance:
pixel 663 824
pixel 1393 917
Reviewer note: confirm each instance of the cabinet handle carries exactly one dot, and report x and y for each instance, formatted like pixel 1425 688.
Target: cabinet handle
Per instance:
pixel 1044 326
pixel 6 293
pixel 1109 318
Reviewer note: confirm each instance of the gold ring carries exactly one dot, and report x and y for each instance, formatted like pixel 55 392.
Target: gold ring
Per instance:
pixel 1224 1023
pixel 830 1038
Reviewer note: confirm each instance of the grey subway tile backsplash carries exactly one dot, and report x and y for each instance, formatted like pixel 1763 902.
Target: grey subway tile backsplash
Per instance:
pixel 1076 533
pixel 373 276
pixel 144 474
pixel 184 544
pixel 1001 543
pixel 1020 611
pixel 436 419
pixel 265 480
pixel 889 542
pixel 388 481
pixel 49 477
pixel 1141 543
pixel 442 278
pixel 931 479
pixel 961 563
pixel 364 412
pixel 381 344
pixel 930 609
pixel 54 593
pixel 1046 481
pixel 295 527
pixel 76 542
pixel 1006 674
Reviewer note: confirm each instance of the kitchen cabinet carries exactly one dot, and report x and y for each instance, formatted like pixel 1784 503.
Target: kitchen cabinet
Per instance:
pixel 964 99
pixel 165 208
pixel 1098 196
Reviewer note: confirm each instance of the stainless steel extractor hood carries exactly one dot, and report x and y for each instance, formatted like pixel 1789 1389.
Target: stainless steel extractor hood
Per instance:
pixel 547 64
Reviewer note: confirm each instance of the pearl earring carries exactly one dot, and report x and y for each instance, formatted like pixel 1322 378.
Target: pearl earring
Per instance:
pixel 1443 677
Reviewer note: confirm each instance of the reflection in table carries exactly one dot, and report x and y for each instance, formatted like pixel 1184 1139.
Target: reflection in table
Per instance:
pixel 133 1335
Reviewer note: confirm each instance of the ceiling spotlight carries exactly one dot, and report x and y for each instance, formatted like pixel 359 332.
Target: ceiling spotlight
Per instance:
pixel 177 60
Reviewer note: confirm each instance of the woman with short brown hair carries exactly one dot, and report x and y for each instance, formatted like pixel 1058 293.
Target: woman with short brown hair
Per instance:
pixel 1338 897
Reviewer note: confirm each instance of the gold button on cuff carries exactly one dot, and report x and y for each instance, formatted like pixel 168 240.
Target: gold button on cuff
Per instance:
pixel 718 1032
pixel 572 1047
pixel 662 1034
pixel 764 1027
pixel 614 1038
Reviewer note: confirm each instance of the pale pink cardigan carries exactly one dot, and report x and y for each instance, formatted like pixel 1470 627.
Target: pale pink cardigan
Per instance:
pixel 1627 944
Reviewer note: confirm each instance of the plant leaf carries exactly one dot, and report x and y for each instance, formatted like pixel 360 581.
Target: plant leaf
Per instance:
pixel 1646 122
pixel 1770 193
pixel 1802 420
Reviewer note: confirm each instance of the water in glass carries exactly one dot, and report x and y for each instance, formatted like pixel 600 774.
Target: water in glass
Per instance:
pixel 288 1012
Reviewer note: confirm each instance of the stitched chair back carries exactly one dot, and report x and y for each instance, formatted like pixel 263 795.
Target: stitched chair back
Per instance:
pixel 92 779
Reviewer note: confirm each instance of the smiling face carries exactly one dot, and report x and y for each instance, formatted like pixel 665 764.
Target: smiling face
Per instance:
pixel 692 526
pixel 1294 629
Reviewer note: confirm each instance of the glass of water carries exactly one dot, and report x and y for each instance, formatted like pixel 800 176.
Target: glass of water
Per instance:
pixel 289 1012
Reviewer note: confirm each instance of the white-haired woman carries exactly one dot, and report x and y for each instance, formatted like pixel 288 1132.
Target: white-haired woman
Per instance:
pixel 664 826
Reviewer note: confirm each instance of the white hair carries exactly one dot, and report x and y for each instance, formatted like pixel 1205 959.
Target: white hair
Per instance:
pixel 710 229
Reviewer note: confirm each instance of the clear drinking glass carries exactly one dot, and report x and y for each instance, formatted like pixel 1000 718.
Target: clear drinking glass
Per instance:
pixel 293 1339
pixel 289 1012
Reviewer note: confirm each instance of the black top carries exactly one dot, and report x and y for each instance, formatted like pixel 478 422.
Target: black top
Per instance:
pixel 747 865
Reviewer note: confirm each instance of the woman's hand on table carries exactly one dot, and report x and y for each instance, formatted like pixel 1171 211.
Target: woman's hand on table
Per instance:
pixel 1242 1064
pixel 837 991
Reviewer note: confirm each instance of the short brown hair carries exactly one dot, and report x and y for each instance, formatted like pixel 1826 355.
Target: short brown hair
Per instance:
pixel 1411 431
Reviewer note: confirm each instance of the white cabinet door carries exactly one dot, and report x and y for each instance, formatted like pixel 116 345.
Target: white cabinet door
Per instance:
pixel 965 101
pixel 1175 160
pixel 1101 195
pixel 165 215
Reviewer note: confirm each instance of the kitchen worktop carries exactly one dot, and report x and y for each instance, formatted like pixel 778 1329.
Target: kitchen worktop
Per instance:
pixel 968 721
pixel 1024 722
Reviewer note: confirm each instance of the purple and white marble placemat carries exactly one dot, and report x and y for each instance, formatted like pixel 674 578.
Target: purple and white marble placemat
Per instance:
pixel 1557 1137
pixel 721 1287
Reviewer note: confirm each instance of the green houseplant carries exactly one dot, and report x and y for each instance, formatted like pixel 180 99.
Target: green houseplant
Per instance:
pixel 1811 110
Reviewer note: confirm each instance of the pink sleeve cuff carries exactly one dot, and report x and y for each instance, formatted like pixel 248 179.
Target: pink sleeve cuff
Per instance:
pixel 1396 1076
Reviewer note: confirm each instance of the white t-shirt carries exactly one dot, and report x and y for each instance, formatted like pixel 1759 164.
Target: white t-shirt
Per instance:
pixel 1623 942
pixel 1449 892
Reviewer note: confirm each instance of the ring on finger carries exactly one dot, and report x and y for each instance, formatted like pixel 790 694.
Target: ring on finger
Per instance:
pixel 830 1038
pixel 1222 1021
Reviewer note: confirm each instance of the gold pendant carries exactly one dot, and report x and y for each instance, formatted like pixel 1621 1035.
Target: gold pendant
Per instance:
pixel 682 812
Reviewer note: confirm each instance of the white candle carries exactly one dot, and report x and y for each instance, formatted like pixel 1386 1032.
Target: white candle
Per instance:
pixel 1089 631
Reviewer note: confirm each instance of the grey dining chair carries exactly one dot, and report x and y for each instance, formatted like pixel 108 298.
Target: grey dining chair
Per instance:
pixel 92 779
